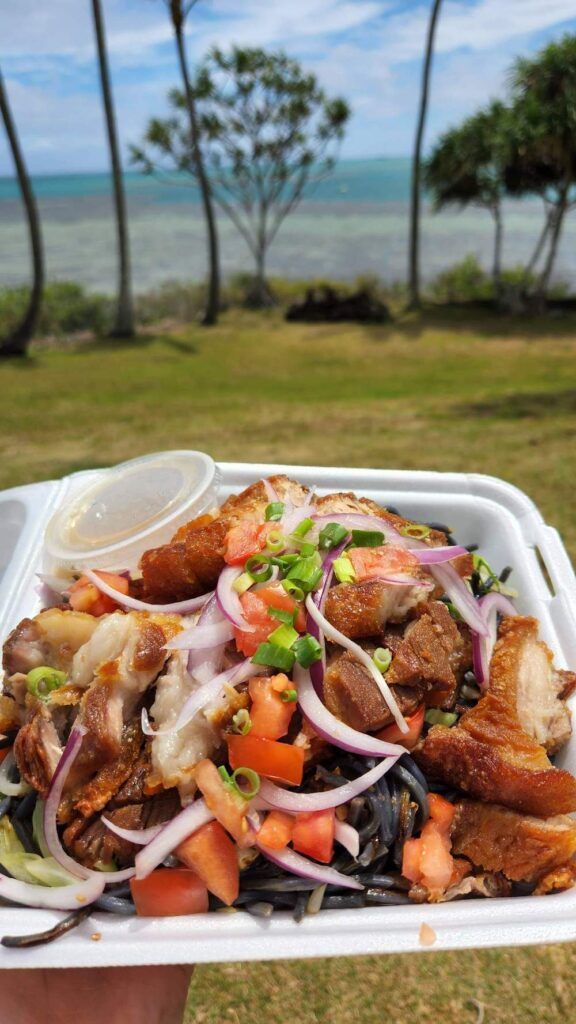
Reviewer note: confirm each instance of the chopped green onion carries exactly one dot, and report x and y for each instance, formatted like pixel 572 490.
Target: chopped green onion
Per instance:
pixel 306 549
pixel 259 568
pixel 42 680
pixel 367 538
pixel 275 541
pixel 382 658
pixel 274 656
pixel 415 530
pixel 331 535
pixel 307 650
pixel 241 722
pixel 251 777
pixel 274 511
pixel 293 589
pixel 436 717
pixel 303 528
pixel 306 572
pixel 282 615
pixel 343 570
pixel 289 696
pixel 453 611
pixel 284 636
pixel 243 583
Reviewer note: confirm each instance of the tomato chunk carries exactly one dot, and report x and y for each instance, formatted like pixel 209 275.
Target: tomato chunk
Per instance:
pixel 228 808
pixel 391 733
pixel 369 563
pixel 244 540
pixel 169 892
pixel 280 761
pixel 85 596
pixel 269 714
pixel 255 605
pixel 441 811
pixel 411 854
pixel 313 834
pixel 212 855
pixel 276 830
pixel 428 859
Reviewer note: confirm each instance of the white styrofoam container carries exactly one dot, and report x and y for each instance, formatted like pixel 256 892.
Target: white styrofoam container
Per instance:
pixel 480 509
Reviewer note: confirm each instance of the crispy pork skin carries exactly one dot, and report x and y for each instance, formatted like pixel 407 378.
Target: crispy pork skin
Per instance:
pixel 522 847
pixel 363 609
pixel 352 695
pixel 433 651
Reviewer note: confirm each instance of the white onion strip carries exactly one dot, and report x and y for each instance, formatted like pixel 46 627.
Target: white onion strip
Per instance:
pixel 295 803
pixel 59 897
pixel 228 600
pixel 175 832
pixel 334 634
pixel 491 605
pixel 192 604
pixel 199 698
pixel 332 729
pixel 53 843
pixel 434 556
pixel 201 638
pixel 11 788
pixel 304 868
pixel 348 837
pixel 138 836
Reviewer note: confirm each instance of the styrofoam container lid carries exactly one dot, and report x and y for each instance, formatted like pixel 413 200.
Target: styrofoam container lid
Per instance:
pixel 133 506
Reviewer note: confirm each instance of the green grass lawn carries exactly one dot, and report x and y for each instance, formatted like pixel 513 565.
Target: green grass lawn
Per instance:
pixel 445 392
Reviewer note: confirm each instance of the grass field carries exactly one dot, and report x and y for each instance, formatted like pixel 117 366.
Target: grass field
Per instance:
pixel 443 392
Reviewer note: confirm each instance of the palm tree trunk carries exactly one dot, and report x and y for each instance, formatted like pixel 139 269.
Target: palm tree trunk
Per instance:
pixel 530 266
pixel 556 230
pixel 124 322
pixel 414 252
pixel 213 303
pixel 16 343
pixel 497 261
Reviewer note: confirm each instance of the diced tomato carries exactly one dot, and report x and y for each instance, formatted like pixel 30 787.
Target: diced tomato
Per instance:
pixel 280 761
pixel 228 808
pixel 441 811
pixel 436 863
pixel 212 855
pixel 169 892
pixel 255 605
pixel 269 714
pixel 85 596
pixel 313 835
pixel 411 854
pixel 391 733
pixel 276 830
pixel 244 540
pixel 369 563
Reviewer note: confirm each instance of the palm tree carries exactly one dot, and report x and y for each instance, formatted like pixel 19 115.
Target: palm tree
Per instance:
pixel 414 249
pixel 124 321
pixel 179 11
pixel 17 341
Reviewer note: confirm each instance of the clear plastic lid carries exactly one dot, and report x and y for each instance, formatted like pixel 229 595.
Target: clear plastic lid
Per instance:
pixel 129 508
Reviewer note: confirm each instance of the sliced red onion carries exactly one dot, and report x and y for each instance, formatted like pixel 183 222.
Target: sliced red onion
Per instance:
pixel 318 668
pixel 491 605
pixel 402 581
pixel 175 832
pixel 69 755
pixel 337 637
pixel 56 584
pixel 228 600
pixel 348 837
pixel 60 897
pixel 332 729
pixel 304 868
pixel 138 836
pixel 432 556
pixel 204 665
pixel 202 638
pixel 271 492
pixel 203 696
pixel 8 788
pixel 295 803
pixel 192 604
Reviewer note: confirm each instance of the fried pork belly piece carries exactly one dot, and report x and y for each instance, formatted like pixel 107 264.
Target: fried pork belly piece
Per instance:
pixel 351 694
pixel 435 651
pixel 192 562
pixel 92 843
pixel 523 848
pixel 37 748
pixel 491 756
pixel 522 673
pixel 363 609
pixel 51 638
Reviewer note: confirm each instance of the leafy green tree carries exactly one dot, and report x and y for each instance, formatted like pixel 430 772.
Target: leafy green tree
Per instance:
pixel 267 131
pixel 414 239
pixel 16 344
pixel 467 168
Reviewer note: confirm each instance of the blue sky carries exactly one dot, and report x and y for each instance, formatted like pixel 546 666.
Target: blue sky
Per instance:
pixel 366 50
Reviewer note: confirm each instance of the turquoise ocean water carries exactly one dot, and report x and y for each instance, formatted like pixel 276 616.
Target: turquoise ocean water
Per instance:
pixel 354 222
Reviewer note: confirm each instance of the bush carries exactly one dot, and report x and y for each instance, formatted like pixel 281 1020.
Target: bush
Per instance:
pixel 465 281
pixel 66 309
pixel 172 300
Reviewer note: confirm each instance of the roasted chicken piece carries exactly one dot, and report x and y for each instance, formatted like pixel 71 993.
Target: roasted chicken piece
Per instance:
pixel 490 755
pixel 522 673
pixel 523 848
